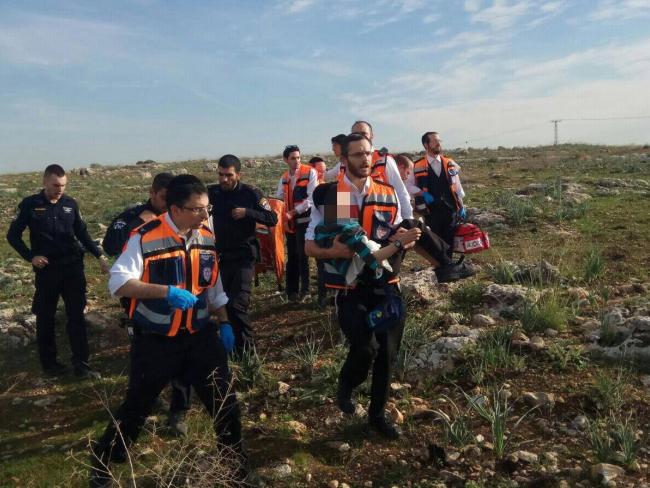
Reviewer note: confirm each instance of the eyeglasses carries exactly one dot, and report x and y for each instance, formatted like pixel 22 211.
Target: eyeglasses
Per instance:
pixel 199 210
pixel 360 154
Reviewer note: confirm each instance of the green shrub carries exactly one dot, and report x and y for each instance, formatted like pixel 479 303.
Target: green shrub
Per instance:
pixel 503 272
pixel 518 210
pixel 492 355
pixel 417 333
pixel 458 431
pixel 550 312
pixel 249 369
pixel 306 353
pixel 594 265
pixel 467 297
pixel 610 389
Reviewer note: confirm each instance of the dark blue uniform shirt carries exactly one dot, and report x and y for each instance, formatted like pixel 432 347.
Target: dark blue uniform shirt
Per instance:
pixel 56 230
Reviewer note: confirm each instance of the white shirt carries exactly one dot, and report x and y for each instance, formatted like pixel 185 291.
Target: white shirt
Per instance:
pixel 356 196
pixel 130 266
pixel 394 179
pixel 436 166
pixel 303 206
pixel 333 173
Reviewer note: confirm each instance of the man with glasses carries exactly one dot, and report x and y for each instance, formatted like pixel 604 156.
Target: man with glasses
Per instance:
pixel 169 271
pixel 116 237
pixel 236 209
pixel 357 199
pixel 296 187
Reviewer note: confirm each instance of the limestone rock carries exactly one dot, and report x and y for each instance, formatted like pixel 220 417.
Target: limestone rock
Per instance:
pixel 480 320
pixel 297 427
pixel 421 286
pixel 508 298
pixel 539 399
pixel 283 388
pixel 604 473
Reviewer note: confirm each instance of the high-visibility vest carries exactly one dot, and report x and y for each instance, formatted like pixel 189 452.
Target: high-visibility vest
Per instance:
pixel 376 217
pixel 421 170
pixel 378 171
pixel 167 261
pixel 297 196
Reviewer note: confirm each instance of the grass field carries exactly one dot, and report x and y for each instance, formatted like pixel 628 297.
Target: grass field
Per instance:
pixel 598 244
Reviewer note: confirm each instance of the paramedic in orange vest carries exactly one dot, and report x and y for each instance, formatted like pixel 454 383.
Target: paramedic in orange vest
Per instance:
pixel 436 181
pixel 295 188
pixel 375 206
pixel 169 270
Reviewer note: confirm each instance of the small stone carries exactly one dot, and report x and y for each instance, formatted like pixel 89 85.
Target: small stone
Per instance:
pixel 344 485
pixel 479 438
pixel 480 320
pixel 604 472
pixel 451 456
pixel 395 415
pixel 308 477
pixel 580 422
pixel 539 399
pixel 297 427
pixel 282 471
pixel 339 446
pixel 391 458
pixel 367 484
pixel 333 484
pixel 537 343
pixel 283 388
pixel 527 457
pixel 551 333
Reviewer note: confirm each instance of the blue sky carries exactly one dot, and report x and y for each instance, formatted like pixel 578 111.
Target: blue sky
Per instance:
pixel 118 81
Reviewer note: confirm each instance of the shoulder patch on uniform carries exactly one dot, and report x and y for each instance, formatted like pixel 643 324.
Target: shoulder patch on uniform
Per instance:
pixel 144 228
pixel 264 203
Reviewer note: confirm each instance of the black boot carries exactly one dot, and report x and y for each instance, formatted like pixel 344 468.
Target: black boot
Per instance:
pixel 344 399
pixel 385 427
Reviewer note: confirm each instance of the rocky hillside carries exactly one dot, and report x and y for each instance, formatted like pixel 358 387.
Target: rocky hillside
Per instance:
pixel 535 373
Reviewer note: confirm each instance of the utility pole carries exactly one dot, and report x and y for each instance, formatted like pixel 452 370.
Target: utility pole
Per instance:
pixel 555 122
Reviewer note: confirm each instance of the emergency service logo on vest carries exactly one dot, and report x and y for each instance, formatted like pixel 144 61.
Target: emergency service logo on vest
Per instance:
pixel 207 274
pixel 67 209
pixel 119 224
pixel 264 203
pixel 382 232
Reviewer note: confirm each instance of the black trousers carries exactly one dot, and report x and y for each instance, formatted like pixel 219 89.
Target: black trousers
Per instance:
pixel 320 269
pixel 67 280
pixel 367 349
pixel 429 241
pixel 442 221
pixel 297 261
pixel 236 277
pixel 199 359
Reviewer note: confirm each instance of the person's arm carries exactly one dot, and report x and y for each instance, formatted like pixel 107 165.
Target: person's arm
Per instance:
pixel 217 299
pixel 15 233
pixel 261 211
pixel 81 232
pixel 395 180
pixel 305 205
pixel 279 193
pixel 338 250
pixel 333 173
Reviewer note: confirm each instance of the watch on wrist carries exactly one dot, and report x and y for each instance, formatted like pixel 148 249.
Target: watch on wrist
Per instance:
pixel 398 244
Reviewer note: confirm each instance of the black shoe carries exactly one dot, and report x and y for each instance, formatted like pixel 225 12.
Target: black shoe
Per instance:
pixel 454 272
pixel 344 400
pixel 385 427
pixel 99 475
pixel 85 372
pixel 293 297
pixel 100 478
pixel 176 423
pixel 55 369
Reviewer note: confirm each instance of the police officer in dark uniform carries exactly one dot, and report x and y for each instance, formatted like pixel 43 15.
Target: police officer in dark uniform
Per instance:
pixel 58 239
pixel 236 208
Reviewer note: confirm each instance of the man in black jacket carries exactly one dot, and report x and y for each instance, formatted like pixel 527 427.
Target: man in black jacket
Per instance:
pixel 236 209
pixel 58 240
pixel 121 227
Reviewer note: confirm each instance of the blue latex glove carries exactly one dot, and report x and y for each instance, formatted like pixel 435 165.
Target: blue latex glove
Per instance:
pixel 179 298
pixel 428 198
pixel 227 336
pixel 462 213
